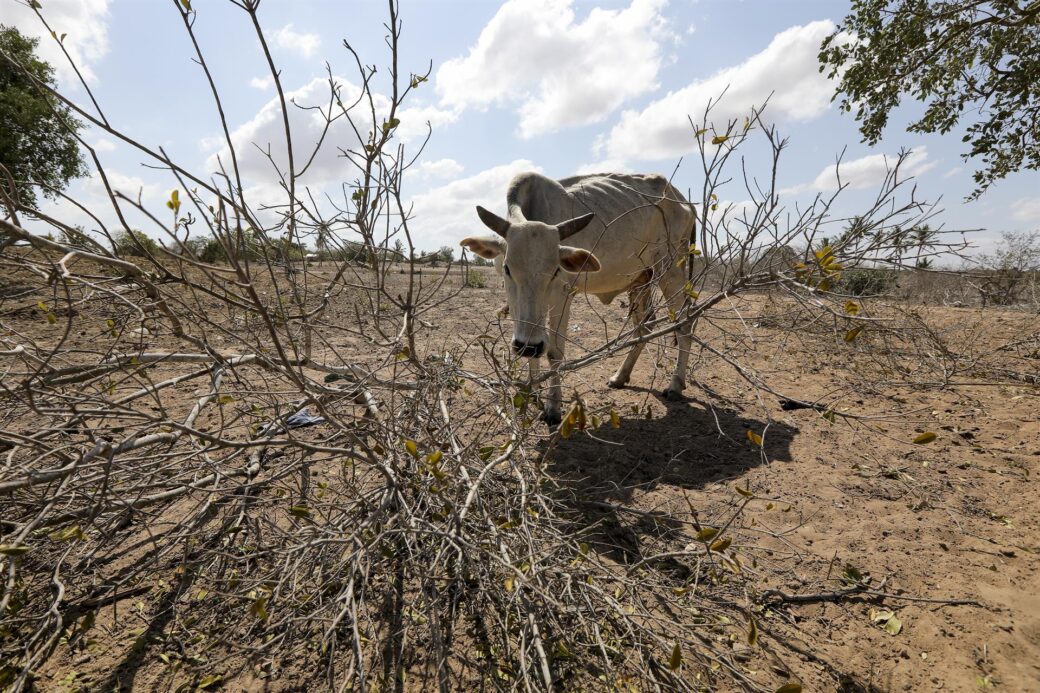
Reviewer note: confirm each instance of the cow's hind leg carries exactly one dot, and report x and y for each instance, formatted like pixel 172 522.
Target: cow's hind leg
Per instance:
pixel 672 288
pixel 639 300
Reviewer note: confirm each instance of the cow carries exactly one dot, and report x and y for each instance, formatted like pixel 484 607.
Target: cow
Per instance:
pixel 623 232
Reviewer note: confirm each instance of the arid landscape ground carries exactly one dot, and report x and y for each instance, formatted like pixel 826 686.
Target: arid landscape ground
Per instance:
pixel 883 565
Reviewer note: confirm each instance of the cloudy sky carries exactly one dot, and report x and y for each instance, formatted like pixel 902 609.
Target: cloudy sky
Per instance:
pixel 557 86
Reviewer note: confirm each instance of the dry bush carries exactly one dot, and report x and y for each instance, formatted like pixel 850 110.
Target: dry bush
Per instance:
pixel 154 448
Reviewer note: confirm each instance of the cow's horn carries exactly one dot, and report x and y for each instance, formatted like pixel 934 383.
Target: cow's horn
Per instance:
pixel 573 226
pixel 493 221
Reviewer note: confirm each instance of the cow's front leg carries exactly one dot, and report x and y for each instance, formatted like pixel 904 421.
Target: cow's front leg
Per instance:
pixel 559 316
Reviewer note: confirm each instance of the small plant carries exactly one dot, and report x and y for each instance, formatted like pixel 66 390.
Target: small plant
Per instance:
pixel 475 280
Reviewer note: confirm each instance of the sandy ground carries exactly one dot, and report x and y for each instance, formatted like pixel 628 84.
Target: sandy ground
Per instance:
pixel 955 519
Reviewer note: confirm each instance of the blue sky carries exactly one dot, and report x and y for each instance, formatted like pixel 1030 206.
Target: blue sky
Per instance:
pixel 560 86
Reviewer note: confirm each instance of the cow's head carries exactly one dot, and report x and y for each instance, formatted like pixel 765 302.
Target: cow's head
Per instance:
pixel 533 258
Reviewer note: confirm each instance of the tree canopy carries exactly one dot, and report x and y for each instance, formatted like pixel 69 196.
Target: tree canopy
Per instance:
pixel 965 59
pixel 37 140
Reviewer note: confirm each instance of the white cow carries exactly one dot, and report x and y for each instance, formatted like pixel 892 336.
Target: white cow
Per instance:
pixel 622 231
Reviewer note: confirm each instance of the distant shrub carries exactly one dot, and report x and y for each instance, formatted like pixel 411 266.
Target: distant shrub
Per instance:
pixel 867 282
pixel 134 244
pixel 475 279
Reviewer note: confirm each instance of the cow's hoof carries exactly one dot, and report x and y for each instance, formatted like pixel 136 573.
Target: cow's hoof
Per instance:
pixel 552 418
pixel 616 383
pixel 673 395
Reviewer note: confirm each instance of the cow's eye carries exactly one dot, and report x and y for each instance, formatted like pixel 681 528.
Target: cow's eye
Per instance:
pixel 506 268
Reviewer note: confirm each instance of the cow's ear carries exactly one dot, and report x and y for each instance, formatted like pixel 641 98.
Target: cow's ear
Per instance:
pixel 493 221
pixel 577 260
pixel 486 247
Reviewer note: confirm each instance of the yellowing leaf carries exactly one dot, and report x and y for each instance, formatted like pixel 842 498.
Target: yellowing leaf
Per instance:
pixel 700 132
pixel 210 681
pixel 434 457
pixel 615 419
pixel 707 533
pixel 851 307
pixel 721 545
pixel 853 333
pixel 259 608
pixel 790 687
pixel 509 584
pixel 754 437
pixel 67 534
pixel 744 492
pixel 412 448
pixel 225 399
pixel 13 549
pixel 675 661
pixel 752 636
pixel 719 139
pixel 925 438
pixel 301 511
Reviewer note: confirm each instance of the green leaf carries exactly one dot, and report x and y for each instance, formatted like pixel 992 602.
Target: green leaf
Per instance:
pixel 925 438
pixel 301 511
pixel 752 636
pixel 412 448
pixel 852 575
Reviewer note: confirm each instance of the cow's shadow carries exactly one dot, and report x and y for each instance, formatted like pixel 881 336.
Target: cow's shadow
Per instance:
pixel 693 445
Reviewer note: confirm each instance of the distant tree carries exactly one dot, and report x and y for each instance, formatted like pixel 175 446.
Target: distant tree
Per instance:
pixel 321 243
pixel 446 254
pixel 37 140
pixel 959 57
pixel 399 253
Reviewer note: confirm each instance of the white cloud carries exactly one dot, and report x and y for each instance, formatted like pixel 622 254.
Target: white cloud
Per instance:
pixel 558 72
pixel 101 145
pixel 952 172
pixel 304 44
pixel 867 172
pixel 604 166
pixel 264 132
pixel 262 83
pixel 85 23
pixel 445 215
pixel 442 168
pixel 1026 209
pixel 788 69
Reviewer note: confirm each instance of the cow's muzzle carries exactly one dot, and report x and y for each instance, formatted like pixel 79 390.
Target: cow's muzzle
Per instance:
pixel 528 350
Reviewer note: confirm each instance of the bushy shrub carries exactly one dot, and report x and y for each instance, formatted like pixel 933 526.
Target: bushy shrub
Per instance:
pixel 867 282
pixel 134 244
pixel 475 279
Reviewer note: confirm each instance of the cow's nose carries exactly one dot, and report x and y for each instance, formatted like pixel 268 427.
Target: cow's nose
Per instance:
pixel 528 350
